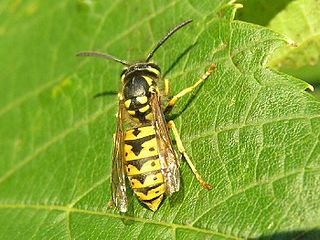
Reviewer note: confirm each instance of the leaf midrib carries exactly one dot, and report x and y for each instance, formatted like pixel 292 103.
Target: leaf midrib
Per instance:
pixel 69 210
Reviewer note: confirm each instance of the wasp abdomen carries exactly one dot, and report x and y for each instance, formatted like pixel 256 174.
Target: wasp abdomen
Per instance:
pixel 143 165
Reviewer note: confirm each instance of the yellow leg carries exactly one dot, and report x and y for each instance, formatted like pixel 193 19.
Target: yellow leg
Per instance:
pixel 185 91
pixel 184 154
pixel 166 87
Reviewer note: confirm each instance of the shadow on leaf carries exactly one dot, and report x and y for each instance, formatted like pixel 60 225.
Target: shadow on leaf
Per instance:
pixel 105 93
pixel 188 49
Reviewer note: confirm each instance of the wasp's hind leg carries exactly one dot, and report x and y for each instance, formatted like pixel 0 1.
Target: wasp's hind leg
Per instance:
pixel 185 91
pixel 182 150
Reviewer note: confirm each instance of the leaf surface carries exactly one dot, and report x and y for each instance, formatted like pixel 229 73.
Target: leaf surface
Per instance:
pixel 252 132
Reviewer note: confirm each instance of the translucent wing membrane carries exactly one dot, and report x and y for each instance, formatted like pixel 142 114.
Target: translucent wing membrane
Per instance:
pixel 118 183
pixel 168 159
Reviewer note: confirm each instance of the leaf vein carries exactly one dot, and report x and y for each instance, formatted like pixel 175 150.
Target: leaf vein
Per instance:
pixel 112 215
pixel 249 187
pixel 85 193
pixel 212 132
pixel 54 140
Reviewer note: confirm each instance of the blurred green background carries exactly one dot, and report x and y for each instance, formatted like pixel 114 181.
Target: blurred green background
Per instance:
pixel 299 21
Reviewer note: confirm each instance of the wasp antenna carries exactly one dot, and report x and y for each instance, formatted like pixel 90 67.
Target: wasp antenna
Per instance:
pixel 165 38
pixel 102 55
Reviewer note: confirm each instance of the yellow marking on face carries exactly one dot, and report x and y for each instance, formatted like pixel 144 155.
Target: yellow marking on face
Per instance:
pixel 150 180
pixel 142 99
pixel 131 112
pixel 154 205
pixel 127 103
pixel 148 79
pixel 144 132
pixel 153 193
pixel 144 109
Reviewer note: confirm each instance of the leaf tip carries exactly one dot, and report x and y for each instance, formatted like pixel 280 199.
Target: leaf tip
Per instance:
pixel 238 5
pixel 310 87
pixel 235 5
pixel 230 9
pixel 291 42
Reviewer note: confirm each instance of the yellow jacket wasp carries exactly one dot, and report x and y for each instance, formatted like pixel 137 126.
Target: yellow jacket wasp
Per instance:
pixel 144 152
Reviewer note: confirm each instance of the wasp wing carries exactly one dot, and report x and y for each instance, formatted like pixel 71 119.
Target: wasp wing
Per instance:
pixel 168 159
pixel 118 181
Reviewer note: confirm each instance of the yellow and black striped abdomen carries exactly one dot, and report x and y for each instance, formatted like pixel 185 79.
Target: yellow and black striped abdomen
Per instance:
pixel 143 165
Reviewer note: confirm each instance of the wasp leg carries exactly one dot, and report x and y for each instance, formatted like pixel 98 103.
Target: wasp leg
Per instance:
pixel 185 91
pixel 182 150
pixel 166 87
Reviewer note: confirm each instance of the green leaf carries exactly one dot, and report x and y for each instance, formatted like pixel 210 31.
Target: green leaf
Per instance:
pixel 252 132
pixel 300 22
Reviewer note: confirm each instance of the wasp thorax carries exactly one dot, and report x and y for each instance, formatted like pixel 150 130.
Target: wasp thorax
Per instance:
pixel 139 80
pixel 135 86
pixel 137 97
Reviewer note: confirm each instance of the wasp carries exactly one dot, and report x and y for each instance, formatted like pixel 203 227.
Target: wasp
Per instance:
pixel 143 152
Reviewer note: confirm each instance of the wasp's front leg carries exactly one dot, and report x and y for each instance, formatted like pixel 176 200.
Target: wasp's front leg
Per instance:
pixel 187 90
